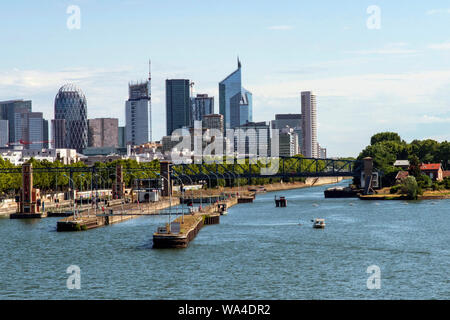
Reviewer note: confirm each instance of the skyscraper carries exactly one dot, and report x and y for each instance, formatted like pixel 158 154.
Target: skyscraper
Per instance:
pixel 287 120
pixel 252 139
pixel 70 128
pixel 213 121
pixel 288 142
pixel 103 132
pixel 121 134
pixel 137 113
pixel 201 105
pixel 235 102
pixel 34 131
pixel 13 111
pixel 309 125
pixel 178 106
pixel 4 133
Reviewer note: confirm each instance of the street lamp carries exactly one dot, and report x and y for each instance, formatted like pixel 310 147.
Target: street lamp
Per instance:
pixel 192 184
pixel 182 203
pixel 71 198
pixel 170 200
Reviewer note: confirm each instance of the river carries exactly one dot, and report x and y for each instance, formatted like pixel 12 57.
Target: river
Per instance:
pixel 257 252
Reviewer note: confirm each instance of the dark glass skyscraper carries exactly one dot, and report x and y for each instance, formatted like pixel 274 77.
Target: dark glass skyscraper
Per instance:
pixel 201 105
pixel 178 106
pixel 70 127
pixel 14 111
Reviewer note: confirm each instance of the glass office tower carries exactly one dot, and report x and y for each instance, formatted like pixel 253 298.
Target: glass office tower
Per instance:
pixel 70 128
pixel 235 102
pixel 178 104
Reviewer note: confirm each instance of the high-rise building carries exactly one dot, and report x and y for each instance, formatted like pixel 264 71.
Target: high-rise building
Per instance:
pixel 121 137
pixel 4 133
pixel 213 121
pixel 287 120
pixel 252 139
pixel 34 131
pixel 46 143
pixel 201 105
pixel 309 125
pixel 13 111
pixel 290 122
pixel 322 152
pixel 235 102
pixel 299 133
pixel 288 142
pixel 103 132
pixel 70 128
pixel 178 105
pixel 137 114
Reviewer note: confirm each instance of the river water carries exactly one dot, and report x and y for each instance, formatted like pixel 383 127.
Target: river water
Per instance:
pixel 257 252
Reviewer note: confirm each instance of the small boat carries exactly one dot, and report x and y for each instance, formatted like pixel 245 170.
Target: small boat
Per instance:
pixel 319 223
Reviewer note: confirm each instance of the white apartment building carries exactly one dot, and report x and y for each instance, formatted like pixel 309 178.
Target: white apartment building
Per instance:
pixel 309 125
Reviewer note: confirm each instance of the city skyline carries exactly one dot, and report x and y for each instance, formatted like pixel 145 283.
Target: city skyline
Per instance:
pixel 360 76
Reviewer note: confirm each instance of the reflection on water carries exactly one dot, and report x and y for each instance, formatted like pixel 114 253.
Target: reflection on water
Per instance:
pixel 257 252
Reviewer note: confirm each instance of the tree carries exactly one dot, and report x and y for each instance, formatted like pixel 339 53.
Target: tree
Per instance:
pixel 385 136
pixel 410 188
pixel 414 166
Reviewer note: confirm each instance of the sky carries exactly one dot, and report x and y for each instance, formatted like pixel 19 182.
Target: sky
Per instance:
pixel 373 70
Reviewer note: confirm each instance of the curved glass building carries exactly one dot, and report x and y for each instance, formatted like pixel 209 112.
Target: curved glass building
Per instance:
pixel 70 126
pixel 235 102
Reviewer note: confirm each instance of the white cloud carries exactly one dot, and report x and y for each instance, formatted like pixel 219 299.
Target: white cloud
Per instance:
pixel 407 87
pixel 440 46
pixel 433 119
pixel 438 11
pixel 105 89
pixel 390 48
pixel 353 108
pixel 281 27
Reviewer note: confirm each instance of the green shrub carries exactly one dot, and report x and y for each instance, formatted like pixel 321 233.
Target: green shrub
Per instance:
pixel 437 186
pixel 424 181
pixel 446 183
pixel 410 188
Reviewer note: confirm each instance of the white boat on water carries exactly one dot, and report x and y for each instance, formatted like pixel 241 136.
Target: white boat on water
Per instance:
pixel 319 224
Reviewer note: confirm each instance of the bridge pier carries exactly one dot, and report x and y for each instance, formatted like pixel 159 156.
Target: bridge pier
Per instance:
pixel 368 170
pixel 29 202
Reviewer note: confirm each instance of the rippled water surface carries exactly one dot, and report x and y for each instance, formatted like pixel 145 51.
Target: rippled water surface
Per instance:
pixel 257 252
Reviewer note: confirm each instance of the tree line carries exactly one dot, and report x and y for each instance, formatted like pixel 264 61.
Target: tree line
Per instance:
pixel 104 174
pixel 387 147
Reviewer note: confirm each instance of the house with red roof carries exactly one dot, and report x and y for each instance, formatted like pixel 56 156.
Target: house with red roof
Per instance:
pixel 433 170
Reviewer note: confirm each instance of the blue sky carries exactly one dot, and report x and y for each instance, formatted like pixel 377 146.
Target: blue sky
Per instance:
pixel 395 78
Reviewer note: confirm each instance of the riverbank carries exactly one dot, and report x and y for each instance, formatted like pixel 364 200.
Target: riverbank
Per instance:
pixel 427 195
pixel 272 187
pixel 243 191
